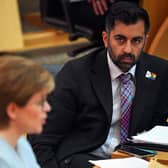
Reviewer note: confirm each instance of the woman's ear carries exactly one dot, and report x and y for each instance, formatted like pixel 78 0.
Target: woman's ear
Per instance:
pixel 11 110
pixel 105 38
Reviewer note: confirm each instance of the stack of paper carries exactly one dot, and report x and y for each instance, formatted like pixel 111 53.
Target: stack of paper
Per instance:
pixel 131 162
pixel 157 135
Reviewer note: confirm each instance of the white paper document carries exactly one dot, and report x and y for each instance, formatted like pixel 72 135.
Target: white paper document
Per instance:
pixel 131 162
pixel 157 135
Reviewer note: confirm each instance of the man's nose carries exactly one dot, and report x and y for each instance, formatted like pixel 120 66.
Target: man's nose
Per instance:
pixel 128 47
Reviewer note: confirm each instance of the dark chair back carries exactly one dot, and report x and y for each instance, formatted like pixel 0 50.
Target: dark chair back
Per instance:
pixel 77 18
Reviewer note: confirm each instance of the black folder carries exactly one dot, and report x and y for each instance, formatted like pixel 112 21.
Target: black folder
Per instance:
pixel 151 146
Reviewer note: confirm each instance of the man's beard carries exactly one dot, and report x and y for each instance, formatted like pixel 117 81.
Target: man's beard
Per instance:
pixel 124 66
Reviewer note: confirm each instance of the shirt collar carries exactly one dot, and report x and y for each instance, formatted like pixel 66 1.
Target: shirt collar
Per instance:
pixel 115 71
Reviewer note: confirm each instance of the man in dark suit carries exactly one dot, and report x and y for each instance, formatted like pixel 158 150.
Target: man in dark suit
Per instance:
pixel 86 106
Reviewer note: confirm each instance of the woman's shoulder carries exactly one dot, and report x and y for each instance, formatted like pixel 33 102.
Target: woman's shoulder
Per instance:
pixel 25 151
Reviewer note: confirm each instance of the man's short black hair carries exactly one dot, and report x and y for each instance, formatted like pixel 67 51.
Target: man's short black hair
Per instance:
pixel 127 13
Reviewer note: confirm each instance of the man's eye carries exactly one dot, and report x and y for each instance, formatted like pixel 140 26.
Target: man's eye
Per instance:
pixel 137 41
pixel 120 40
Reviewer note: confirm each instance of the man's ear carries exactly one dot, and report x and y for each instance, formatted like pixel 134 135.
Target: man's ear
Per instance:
pixel 146 40
pixel 105 38
pixel 11 110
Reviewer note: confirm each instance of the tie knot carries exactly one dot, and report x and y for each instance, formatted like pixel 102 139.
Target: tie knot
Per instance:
pixel 124 78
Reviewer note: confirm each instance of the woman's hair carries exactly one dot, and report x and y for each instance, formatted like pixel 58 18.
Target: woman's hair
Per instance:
pixel 127 13
pixel 20 78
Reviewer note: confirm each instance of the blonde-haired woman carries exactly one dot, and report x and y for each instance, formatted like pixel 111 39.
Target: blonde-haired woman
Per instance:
pixel 24 86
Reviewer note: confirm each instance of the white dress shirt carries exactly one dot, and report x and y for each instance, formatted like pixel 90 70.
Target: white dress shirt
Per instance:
pixel 113 138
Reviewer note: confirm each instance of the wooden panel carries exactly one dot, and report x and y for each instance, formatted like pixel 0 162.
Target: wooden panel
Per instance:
pixel 158 11
pixel 10 28
pixel 160 41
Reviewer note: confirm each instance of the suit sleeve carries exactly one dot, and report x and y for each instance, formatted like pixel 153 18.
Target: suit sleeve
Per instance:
pixel 161 116
pixel 60 119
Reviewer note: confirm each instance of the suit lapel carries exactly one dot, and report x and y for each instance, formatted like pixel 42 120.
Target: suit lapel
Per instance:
pixel 100 79
pixel 139 99
pixel 143 96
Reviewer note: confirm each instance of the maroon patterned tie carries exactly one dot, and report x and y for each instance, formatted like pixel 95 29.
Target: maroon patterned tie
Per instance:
pixel 126 93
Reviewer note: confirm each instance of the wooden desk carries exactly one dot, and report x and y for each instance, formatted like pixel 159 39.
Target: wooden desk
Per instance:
pixel 161 159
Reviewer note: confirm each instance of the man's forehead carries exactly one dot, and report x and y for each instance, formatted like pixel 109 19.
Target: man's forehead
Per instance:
pixel 135 29
pixel 130 23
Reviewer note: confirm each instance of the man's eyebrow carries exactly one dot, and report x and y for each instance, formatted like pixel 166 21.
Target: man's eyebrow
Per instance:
pixel 120 35
pixel 138 37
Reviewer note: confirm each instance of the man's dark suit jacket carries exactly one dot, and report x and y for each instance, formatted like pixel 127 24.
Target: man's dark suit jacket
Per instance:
pixel 82 106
